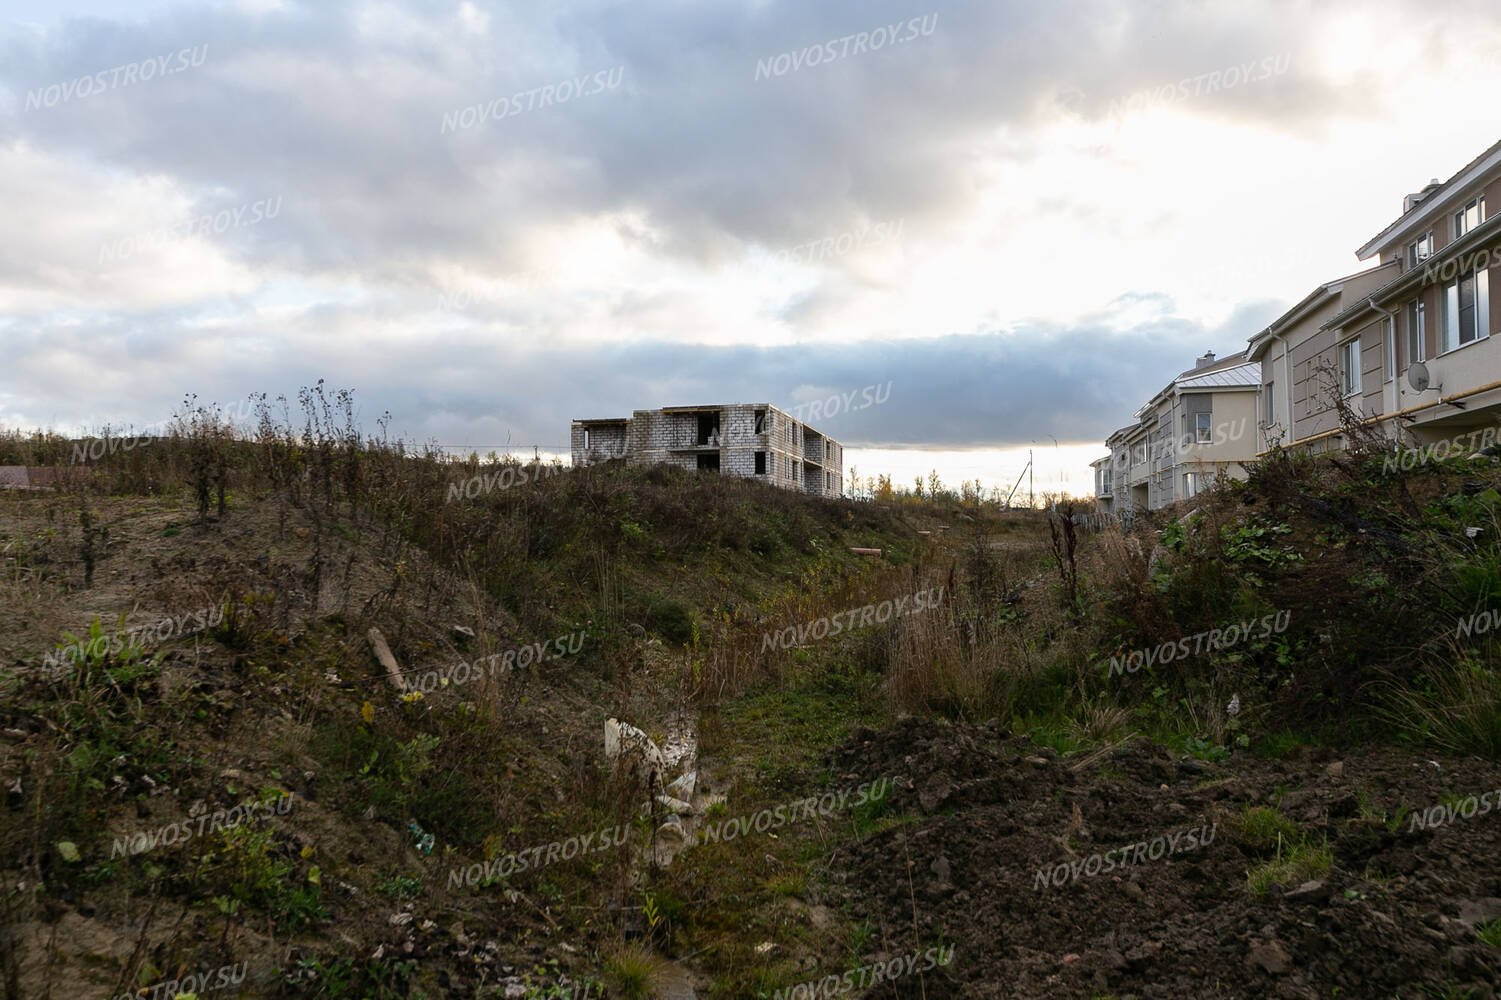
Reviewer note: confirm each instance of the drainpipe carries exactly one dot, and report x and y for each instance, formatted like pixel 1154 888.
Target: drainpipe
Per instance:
pixel 1287 391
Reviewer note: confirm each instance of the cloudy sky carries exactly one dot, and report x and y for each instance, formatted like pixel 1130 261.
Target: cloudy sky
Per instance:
pixel 489 218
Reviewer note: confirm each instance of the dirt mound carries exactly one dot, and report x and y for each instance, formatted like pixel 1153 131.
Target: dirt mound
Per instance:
pixel 1125 873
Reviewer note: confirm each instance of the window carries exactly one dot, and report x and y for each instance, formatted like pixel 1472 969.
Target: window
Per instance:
pixel 586 437
pixel 1190 484
pixel 1203 433
pixel 1419 250
pixel 1390 338
pixel 760 463
pixel 1415 331
pixel 1469 217
pixel 1349 367
pixel 708 429
pixel 1269 404
pixel 760 421
pixel 1467 309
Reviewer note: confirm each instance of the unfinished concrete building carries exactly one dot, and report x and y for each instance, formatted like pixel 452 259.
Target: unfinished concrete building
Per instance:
pixel 754 440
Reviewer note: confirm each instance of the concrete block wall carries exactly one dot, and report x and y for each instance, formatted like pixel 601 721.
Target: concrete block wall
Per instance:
pixel 605 441
pixel 656 437
pixel 576 444
pixel 741 442
pixel 813 446
pixel 671 438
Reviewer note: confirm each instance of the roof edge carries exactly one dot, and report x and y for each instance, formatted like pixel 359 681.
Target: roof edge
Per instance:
pixel 1461 179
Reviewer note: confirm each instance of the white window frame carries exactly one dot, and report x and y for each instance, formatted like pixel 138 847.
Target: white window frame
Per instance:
pixel 1204 428
pixel 1451 336
pixel 1462 223
pixel 1269 403
pixel 1417 331
pixel 1420 250
pixel 1349 367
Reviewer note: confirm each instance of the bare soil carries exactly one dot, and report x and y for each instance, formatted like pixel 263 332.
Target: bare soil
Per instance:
pixel 1396 916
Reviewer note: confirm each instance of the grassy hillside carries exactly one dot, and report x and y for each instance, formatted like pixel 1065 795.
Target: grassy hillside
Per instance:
pixel 225 776
pixel 649 591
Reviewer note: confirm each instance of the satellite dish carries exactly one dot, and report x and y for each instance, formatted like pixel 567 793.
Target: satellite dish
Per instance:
pixel 1417 376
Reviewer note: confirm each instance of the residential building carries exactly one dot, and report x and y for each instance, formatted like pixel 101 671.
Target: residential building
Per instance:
pixel 1407 344
pixel 752 440
pixel 1302 363
pixel 1104 484
pixel 1197 428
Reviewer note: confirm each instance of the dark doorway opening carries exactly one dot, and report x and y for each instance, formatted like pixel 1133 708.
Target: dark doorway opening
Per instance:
pixel 708 427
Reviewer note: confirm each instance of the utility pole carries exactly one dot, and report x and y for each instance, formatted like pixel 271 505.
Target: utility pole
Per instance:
pixel 1031 492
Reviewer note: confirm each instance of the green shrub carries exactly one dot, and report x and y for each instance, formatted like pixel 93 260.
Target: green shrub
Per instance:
pixel 675 622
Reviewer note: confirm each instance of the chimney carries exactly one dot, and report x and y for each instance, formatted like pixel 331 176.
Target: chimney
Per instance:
pixel 1205 361
pixel 1409 202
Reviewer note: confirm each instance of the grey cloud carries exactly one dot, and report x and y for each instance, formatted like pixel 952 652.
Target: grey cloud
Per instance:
pixel 345 125
pixel 989 389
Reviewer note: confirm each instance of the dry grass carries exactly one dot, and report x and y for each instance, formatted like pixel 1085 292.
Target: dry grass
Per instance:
pixel 635 972
pixel 972 657
pixel 1460 712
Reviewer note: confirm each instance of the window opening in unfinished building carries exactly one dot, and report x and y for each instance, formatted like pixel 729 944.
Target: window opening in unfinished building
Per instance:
pixel 708 428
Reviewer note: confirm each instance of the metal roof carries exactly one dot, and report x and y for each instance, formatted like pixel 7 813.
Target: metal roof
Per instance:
pixel 1228 361
pixel 1243 374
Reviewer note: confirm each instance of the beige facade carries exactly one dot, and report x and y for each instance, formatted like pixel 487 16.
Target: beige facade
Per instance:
pixel 1407 344
pixel 1299 365
pixel 752 440
pixel 1201 426
pixel 1425 309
